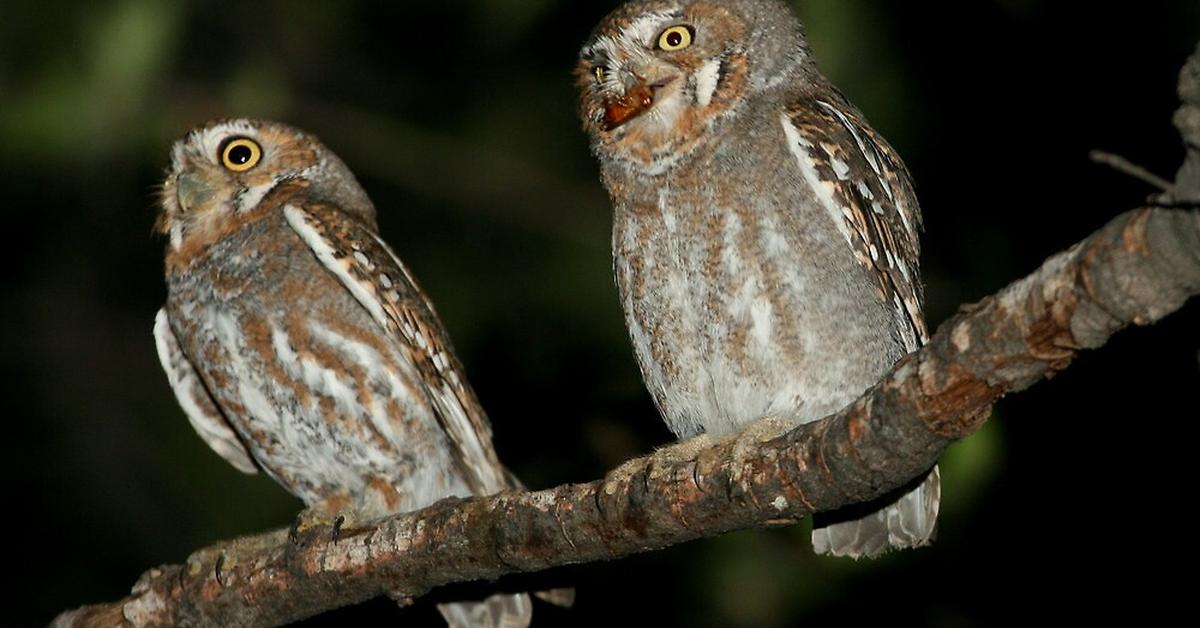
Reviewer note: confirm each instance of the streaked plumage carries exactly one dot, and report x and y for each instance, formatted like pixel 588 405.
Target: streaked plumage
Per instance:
pixel 765 238
pixel 298 343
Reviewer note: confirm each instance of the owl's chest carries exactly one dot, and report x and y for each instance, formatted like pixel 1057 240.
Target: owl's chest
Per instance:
pixel 249 268
pixel 743 302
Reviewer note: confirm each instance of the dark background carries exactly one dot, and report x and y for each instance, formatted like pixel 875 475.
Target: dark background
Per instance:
pixel 458 117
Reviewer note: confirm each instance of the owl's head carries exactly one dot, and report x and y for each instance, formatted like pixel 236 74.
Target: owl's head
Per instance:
pixel 657 74
pixel 221 173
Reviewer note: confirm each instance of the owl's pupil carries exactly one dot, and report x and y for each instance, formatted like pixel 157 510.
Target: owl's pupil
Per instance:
pixel 240 154
pixel 674 39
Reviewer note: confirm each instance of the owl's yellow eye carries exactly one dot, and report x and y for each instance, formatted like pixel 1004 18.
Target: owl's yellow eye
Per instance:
pixel 600 73
pixel 240 154
pixel 675 38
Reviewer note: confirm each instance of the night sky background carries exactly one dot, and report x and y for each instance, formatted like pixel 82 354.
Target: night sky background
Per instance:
pixel 459 119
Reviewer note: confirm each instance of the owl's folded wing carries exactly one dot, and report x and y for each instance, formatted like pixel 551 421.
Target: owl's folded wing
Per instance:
pixel 866 189
pixel 383 285
pixel 195 400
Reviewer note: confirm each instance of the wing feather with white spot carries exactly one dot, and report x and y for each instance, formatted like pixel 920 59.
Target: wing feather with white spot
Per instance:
pixel 867 190
pixel 195 400
pixel 383 285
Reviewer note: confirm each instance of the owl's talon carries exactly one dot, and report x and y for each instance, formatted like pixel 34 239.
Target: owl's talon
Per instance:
pixel 620 475
pixel 683 451
pixel 657 463
pixel 308 520
pixel 765 429
pixel 212 559
pixel 332 514
pixel 760 431
pixel 661 459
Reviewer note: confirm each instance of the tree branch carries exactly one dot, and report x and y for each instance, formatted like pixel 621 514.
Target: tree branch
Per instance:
pixel 1140 267
pixel 1187 120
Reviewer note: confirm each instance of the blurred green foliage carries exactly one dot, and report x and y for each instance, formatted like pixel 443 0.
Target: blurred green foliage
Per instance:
pixel 459 119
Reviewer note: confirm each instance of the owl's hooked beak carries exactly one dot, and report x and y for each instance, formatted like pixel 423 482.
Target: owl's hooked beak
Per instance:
pixel 191 190
pixel 636 101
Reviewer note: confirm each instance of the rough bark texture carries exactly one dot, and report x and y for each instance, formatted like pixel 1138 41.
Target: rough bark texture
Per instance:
pixel 1140 267
pixel 1187 120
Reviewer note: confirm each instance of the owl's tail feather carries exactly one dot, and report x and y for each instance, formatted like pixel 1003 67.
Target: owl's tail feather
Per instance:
pixel 872 529
pixel 505 610
pixel 563 597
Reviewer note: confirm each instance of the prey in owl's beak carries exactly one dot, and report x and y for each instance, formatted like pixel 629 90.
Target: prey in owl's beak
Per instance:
pixel 636 101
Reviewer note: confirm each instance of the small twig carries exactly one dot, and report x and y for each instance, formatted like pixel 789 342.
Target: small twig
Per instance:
pixel 1122 165
pixel 1168 201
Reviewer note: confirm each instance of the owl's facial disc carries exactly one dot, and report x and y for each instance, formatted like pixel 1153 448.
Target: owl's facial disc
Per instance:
pixel 224 170
pixel 657 75
pixel 650 76
pixel 636 101
pixel 198 184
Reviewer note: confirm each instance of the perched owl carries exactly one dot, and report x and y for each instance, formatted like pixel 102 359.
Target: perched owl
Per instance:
pixel 298 343
pixel 765 237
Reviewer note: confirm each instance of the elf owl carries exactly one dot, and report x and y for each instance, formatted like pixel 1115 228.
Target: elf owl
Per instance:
pixel 298 343
pixel 765 237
